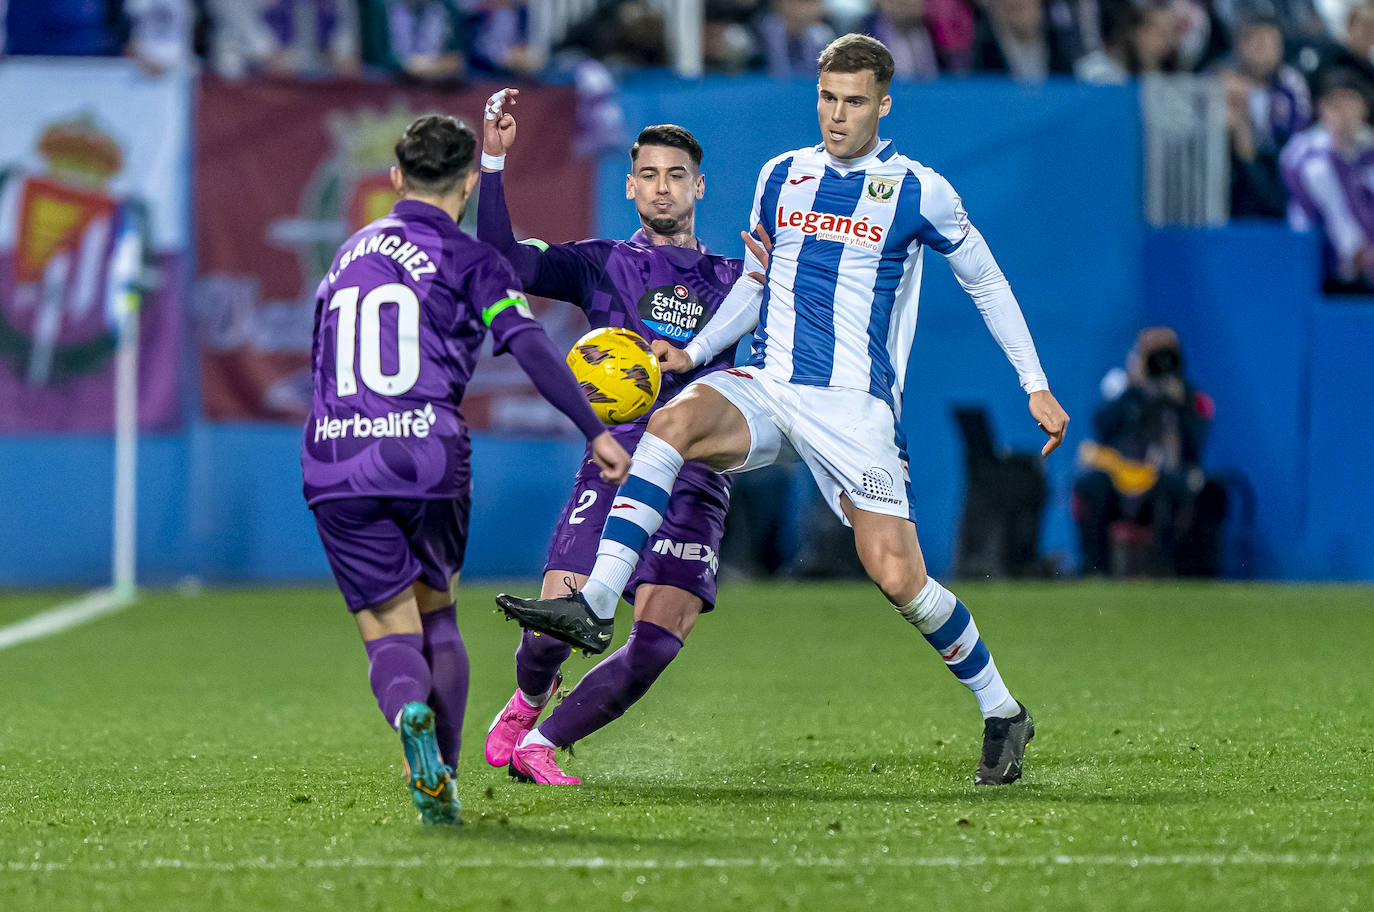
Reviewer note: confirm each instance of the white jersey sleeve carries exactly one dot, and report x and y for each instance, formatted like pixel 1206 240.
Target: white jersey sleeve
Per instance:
pixel 736 315
pixel 948 231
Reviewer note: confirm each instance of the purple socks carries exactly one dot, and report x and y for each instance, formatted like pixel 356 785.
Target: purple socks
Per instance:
pixel 448 668
pixel 613 686
pixel 429 667
pixel 537 661
pixel 398 672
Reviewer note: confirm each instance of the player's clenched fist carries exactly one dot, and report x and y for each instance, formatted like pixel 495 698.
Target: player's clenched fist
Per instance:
pixel 670 358
pixel 498 124
pixel 611 458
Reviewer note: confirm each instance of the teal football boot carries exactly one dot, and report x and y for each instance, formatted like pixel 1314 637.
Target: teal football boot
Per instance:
pixel 430 779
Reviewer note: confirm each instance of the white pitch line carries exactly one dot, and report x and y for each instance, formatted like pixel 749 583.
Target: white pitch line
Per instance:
pixel 62 617
pixel 689 864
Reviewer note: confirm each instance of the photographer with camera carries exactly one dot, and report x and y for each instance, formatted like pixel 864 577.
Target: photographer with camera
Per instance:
pixel 1141 500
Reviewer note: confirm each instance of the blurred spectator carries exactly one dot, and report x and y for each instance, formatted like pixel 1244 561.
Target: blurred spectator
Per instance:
pixel 793 35
pixel 621 33
pixel 1280 105
pixel 501 39
pixel 1016 39
pixel 1335 16
pixel 1256 186
pixel 1076 23
pixel 1137 41
pixel 160 33
pixel 1087 16
pixel 600 118
pixel 1202 37
pixel 284 37
pixel 418 39
pixel 902 26
pixel 1141 500
pixel 78 28
pixel 729 44
pixel 1302 24
pixel 1355 54
pixel 1329 172
pixel 954 26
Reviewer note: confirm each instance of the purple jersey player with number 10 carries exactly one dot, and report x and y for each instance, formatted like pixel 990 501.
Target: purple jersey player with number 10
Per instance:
pixel 663 284
pixel 399 321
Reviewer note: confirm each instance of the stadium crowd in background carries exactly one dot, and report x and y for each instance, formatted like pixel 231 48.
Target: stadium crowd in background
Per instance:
pixel 1029 40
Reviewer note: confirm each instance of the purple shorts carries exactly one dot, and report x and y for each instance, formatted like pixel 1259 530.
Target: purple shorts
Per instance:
pixel 685 552
pixel 379 546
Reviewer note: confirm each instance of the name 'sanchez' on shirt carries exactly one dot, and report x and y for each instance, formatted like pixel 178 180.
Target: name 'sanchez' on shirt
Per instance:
pixel 412 258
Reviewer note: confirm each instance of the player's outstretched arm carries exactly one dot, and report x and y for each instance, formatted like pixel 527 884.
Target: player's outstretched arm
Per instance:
pixel 981 277
pixel 493 217
pixel 563 272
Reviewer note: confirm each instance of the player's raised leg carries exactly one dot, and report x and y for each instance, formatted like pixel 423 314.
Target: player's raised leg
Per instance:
pixel 699 424
pixel 664 616
pixel 891 554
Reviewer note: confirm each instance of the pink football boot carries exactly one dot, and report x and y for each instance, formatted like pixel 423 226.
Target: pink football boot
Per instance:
pixel 535 763
pixel 509 726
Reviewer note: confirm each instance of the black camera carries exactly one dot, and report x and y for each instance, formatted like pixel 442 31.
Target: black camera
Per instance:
pixel 1163 362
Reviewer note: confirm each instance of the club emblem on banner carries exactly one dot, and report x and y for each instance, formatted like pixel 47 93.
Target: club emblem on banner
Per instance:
pixel 71 243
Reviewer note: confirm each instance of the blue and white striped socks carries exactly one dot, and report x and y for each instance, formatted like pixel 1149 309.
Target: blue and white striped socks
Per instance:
pixel 636 513
pixel 946 624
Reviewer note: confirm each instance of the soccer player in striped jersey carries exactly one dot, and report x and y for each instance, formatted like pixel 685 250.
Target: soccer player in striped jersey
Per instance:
pixel 833 324
pixel 663 284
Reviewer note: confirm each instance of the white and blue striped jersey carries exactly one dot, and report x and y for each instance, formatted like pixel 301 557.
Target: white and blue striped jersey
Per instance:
pixel 843 282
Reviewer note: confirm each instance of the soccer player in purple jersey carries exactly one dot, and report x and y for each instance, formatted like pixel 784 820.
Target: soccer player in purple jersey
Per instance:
pixel 663 284
pixel 399 322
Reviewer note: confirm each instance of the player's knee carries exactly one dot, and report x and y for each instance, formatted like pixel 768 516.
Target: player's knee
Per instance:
pixel 892 571
pixel 675 426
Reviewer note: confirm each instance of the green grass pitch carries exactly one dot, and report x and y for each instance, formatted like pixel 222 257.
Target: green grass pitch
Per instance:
pixel 1198 747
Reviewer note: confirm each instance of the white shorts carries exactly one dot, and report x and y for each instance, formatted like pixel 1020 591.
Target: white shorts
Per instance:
pixel 848 438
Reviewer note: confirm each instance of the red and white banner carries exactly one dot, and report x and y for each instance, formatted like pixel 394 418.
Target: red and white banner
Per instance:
pixel 284 172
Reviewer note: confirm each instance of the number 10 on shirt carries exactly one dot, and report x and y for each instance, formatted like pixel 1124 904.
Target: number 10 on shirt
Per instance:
pixel 361 326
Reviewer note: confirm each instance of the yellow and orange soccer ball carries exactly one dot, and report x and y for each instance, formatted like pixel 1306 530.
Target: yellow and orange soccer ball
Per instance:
pixel 618 373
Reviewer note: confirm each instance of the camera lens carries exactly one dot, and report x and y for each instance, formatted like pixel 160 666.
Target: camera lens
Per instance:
pixel 1163 361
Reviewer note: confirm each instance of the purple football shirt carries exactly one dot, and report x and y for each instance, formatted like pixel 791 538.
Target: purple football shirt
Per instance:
pixel 399 322
pixel 659 292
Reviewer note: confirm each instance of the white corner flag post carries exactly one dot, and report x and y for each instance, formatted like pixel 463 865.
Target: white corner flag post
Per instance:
pixel 126 453
pixel 124 303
